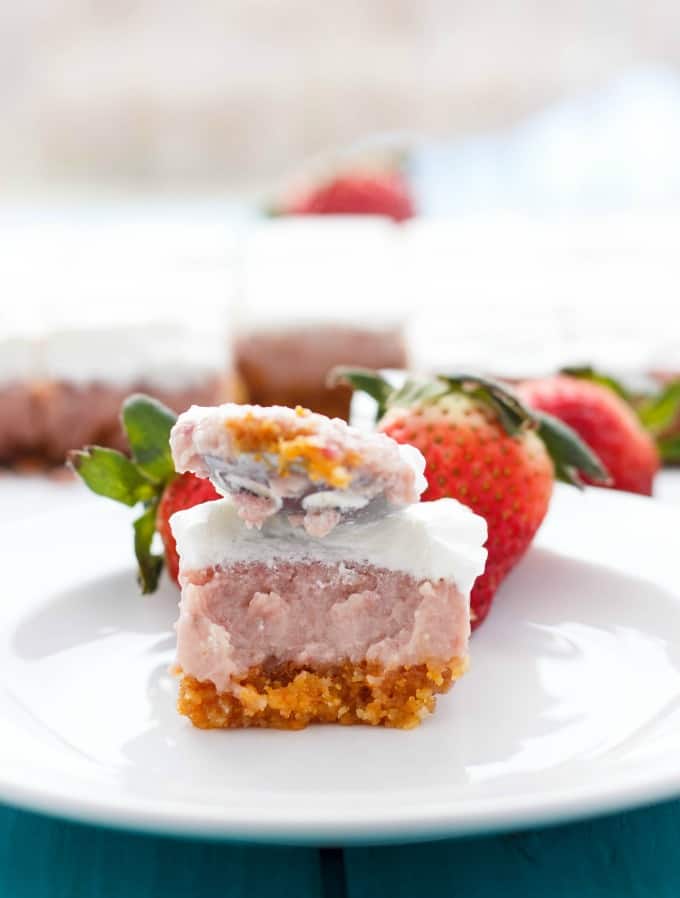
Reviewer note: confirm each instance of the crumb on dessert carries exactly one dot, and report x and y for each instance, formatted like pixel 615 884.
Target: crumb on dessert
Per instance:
pixel 319 463
pixel 293 441
pixel 291 696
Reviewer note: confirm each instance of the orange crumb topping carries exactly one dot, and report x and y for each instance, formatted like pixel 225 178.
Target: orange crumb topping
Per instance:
pixel 251 434
pixel 319 463
pixel 293 446
pixel 290 696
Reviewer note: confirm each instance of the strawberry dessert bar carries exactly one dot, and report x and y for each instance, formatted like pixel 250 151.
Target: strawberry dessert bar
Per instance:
pixel 290 364
pixel 305 310
pixel 359 618
pixel 65 388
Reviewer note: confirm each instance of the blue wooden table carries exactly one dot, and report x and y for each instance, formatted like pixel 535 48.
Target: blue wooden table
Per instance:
pixel 636 853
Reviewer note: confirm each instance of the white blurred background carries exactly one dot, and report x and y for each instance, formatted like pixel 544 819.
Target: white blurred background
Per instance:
pixel 223 94
pixel 140 138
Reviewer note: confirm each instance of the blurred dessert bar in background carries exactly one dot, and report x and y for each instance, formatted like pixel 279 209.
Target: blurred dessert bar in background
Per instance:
pixel 101 310
pixel 65 389
pixel 290 366
pixel 317 293
pixel 198 308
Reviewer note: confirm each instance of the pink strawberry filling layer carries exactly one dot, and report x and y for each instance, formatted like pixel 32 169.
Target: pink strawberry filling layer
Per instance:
pixel 314 613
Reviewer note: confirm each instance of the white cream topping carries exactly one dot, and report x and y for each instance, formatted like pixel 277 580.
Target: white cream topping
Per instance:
pixel 415 458
pixel 430 540
pixel 157 354
pixel 162 355
pixel 19 361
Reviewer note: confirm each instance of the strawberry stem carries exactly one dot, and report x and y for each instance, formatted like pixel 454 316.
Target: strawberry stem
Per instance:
pixel 658 413
pixel 586 372
pixel 513 414
pixel 139 480
pixel 149 564
pixel 148 424
pixel 570 455
pixel 370 382
pixel 669 449
pixel 110 473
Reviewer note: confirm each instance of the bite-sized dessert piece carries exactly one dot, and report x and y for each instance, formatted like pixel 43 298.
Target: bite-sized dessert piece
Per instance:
pixel 364 626
pixel 65 389
pixel 317 471
pixel 289 365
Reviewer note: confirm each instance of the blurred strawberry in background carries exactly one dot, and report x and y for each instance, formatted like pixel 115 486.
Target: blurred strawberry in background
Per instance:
pixel 596 408
pixel 359 192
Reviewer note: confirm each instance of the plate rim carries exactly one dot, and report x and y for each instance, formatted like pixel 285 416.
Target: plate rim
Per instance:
pixel 566 806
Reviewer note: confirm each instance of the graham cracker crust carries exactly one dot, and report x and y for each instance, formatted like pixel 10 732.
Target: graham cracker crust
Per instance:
pixel 291 696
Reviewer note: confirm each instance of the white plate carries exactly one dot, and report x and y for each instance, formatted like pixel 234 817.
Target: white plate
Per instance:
pixel 571 706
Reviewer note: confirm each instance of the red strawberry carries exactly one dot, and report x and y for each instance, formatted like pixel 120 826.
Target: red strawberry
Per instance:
pixel 483 447
pixel 185 491
pixel 379 193
pixel 148 478
pixel 603 420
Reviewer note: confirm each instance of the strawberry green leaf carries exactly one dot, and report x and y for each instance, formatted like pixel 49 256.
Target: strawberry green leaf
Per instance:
pixel 272 210
pixel 150 565
pixel 669 450
pixel 658 413
pixel 111 474
pixel 370 382
pixel 418 390
pixel 148 424
pixel 585 372
pixel 141 479
pixel 569 453
pixel 512 413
